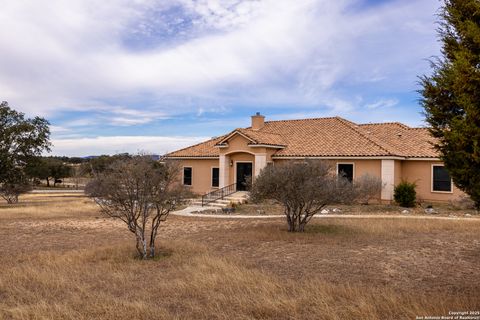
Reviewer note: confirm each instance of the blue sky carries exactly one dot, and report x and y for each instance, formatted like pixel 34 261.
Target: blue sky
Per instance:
pixel 150 75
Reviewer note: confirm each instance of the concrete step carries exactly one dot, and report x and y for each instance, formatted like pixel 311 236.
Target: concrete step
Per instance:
pixel 228 200
pixel 240 194
pixel 238 197
pixel 235 199
pixel 223 201
pixel 211 204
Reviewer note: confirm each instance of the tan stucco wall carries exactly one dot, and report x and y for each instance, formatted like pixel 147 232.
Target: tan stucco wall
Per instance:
pixel 398 172
pixel 362 167
pixel 372 167
pixel 420 172
pixel 270 152
pixel 201 174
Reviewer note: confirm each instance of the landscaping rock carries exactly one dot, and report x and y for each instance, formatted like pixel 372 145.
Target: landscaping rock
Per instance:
pixel 260 211
pixel 431 211
pixel 405 211
pixel 336 210
pixel 468 215
pixel 325 211
pixel 228 210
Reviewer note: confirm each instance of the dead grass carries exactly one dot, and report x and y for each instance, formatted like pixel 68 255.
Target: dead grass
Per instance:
pixel 191 283
pixel 69 264
pixel 43 206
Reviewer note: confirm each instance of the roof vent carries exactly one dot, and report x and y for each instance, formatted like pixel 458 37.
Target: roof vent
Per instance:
pixel 399 135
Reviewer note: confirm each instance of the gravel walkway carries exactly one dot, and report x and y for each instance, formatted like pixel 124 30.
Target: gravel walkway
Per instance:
pixel 189 212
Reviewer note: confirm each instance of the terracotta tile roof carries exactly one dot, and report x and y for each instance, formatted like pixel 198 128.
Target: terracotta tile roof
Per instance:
pixel 205 149
pixel 323 137
pixel 328 137
pixel 403 140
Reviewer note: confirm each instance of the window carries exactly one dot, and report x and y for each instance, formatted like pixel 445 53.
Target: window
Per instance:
pixel 441 179
pixel 215 177
pixel 187 176
pixel 345 170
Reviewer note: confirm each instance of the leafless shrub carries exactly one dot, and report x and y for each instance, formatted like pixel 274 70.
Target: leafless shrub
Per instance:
pixel 303 188
pixel 368 187
pixel 463 202
pixel 141 193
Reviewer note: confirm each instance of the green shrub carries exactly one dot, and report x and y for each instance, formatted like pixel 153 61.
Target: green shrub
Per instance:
pixel 405 194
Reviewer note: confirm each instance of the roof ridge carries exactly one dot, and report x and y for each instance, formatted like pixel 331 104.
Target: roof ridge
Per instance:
pixel 239 130
pixel 353 126
pixel 249 132
pixel 404 126
pixel 246 133
pixel 291 120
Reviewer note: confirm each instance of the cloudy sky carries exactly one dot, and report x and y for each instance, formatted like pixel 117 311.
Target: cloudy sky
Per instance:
pixel 156 75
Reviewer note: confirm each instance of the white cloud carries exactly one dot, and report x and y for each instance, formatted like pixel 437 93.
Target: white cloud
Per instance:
pixel 224 14
pixel 126 117
pixel 59 130
pixel 68 55
pixel 382 103
pixel 120 144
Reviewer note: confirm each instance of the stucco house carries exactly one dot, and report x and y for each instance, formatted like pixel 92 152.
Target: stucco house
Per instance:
pixel 391 151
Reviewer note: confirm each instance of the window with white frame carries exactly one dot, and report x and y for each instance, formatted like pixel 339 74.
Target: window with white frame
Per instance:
pixel 441 180
pixel 345 170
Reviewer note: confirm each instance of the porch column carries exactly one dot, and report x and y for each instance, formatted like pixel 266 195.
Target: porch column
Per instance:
pixel 260 163
pixel 224 169
pixel 388 179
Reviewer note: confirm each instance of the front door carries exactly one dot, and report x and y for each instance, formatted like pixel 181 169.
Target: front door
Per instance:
pixel 244 175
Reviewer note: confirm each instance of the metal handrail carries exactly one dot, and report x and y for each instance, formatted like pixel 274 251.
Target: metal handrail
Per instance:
pixel 218 194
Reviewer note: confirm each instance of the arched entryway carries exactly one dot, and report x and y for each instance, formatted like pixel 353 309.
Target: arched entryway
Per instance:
pixel 242 166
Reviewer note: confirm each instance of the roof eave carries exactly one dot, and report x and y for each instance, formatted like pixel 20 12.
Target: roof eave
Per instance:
pixel 190 157
pixel 423 158
pixel 335 157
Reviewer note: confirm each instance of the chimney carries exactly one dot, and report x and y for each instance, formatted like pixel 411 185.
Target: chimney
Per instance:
pixel 258 121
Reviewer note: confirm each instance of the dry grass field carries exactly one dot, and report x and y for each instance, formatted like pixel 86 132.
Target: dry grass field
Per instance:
pixel 60 259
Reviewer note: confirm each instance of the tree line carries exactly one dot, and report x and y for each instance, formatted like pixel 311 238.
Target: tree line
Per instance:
pixel 53 169
pixel 22 142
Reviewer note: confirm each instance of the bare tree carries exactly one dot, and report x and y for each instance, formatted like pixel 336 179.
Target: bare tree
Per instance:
pixel 303 188
pixel 367 187
pixel 14 184
pixel 140 192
